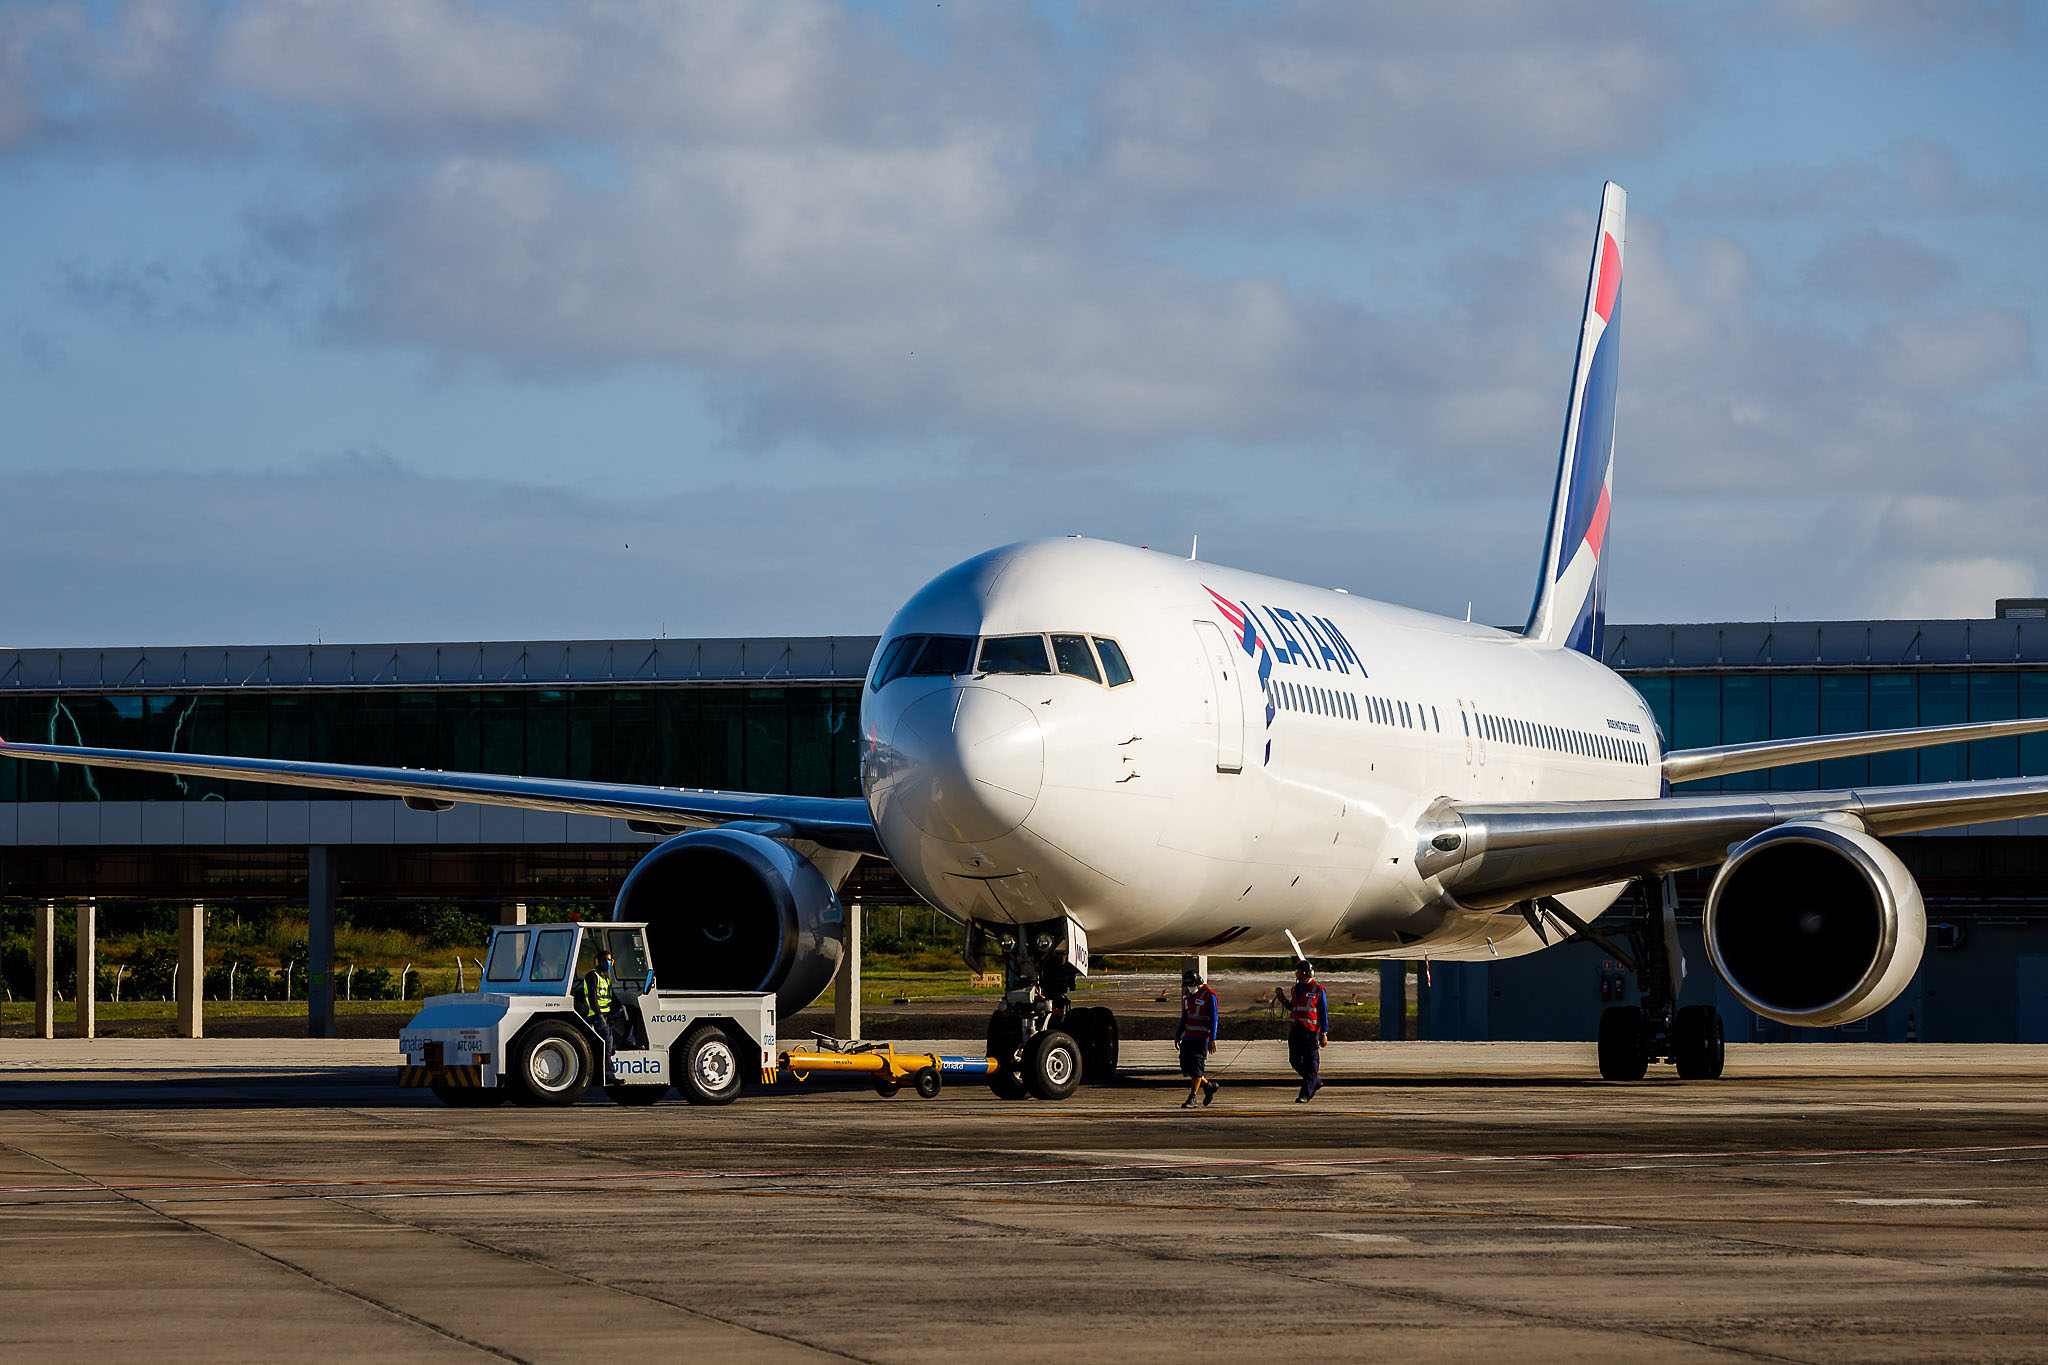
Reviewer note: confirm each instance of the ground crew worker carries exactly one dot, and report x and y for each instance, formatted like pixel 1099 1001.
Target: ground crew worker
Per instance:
pixel 608 1015
pixel 1308 1028
pixel 1200 1017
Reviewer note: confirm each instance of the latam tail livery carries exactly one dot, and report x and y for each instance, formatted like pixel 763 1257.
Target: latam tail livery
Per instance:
pixel 1073 745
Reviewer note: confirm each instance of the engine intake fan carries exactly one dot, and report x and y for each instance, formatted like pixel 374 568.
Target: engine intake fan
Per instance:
pixel 731 910
pixel 1813 924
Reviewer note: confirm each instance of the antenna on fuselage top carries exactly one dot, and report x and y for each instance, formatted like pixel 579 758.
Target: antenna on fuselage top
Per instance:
pixel 1196 547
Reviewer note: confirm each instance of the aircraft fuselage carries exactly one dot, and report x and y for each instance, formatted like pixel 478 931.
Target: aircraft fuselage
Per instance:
pixel 1265 769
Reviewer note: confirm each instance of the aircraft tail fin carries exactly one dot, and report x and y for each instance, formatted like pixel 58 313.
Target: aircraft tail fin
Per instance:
pixel 1571 594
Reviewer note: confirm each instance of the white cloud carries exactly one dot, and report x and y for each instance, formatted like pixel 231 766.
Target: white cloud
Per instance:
pixel 1878 265
pixel 964 232
pixel 1915 29
pixel 1328 99
pixel 1965 587
pixel 1957 353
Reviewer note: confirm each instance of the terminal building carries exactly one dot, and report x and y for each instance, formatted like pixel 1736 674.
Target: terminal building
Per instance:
pixel 782 715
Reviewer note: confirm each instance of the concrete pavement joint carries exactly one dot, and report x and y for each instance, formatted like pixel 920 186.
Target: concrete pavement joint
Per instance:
pixel 314 1194
pixel 282 1262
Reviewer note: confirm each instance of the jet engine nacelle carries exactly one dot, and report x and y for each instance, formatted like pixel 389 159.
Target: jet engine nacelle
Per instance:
pixel 731 910
pixel 1814 924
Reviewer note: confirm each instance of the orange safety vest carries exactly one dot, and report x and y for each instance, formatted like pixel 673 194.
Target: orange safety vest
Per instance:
pixel 1307 1011
pixel 1198 1013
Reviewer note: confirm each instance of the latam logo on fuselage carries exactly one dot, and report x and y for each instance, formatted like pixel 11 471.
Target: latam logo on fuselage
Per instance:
pixel 1270 635
pixel 1325 647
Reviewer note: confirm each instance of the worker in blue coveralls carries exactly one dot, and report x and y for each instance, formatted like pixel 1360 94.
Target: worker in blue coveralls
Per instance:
pixel 1308 1028
pixel 1196 1035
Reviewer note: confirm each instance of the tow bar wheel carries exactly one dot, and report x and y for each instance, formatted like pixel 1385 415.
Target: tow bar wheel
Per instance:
pixel 708 1066
pixel 553 1065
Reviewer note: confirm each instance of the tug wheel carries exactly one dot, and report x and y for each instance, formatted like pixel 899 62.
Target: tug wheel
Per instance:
pixel 552 1064
pixel 708 1066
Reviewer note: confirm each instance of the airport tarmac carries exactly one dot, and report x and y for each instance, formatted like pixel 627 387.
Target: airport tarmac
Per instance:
pixel 262 1198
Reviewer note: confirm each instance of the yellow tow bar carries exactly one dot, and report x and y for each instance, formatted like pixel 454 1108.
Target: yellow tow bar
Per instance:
pixel 888 1067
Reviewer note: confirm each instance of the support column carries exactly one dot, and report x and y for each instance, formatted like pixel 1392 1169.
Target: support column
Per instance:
pixel 46 970
pixel 323 887
pixel 88 968
pixel 846 986
pixel 1393 1001
pixel 191 979
pixel 511 912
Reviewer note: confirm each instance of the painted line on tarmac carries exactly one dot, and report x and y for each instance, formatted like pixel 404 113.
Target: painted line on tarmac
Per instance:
pixel 1459 1164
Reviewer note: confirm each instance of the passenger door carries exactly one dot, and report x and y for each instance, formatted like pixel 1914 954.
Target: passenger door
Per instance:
pixel 1226 683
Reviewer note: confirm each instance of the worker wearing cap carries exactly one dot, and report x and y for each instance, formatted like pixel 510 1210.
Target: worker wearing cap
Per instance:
pixel 1308 1027
pixel 1196 1035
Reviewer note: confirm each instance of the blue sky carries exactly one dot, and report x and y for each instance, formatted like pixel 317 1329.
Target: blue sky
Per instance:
pixel 417 319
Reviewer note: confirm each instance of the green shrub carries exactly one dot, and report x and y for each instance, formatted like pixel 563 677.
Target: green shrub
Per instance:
pixel 150 969
pixel 374 983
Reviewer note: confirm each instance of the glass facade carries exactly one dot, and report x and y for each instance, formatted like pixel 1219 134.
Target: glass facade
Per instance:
pixel 801 740
pixel 1698 709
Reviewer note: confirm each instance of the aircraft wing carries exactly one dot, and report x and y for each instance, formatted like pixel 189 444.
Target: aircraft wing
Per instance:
pixel 1687 765
pixel 831 822
pixel 1495 854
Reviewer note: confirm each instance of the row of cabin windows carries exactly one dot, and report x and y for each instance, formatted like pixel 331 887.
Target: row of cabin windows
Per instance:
pixel 1096 658
pixel 1324 701
pixel 1560 739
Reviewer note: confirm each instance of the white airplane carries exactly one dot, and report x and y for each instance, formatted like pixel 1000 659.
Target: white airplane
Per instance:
pixel 1070 744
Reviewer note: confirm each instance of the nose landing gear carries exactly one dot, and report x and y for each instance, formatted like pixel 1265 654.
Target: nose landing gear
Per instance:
pixel 1045 1046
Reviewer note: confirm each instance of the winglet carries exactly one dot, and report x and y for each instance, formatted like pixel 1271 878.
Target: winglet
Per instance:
pixel 1571 594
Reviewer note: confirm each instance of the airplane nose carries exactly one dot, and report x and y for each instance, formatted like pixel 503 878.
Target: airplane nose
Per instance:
pixel 973 760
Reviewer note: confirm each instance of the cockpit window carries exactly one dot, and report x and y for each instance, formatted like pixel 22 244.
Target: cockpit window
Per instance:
pixel 943 656
pixel 895 660
pixel 1073 656
pixel 1114 670
pixel 1014 654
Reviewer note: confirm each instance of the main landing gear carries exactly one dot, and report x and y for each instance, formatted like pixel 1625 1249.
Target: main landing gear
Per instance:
pixel 1045 1046
pixel 1658 1030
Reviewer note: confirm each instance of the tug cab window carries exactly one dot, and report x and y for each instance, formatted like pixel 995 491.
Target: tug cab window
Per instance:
pixel 508 956
pixel 1074 658
pixel 551 949
pixel 1115 671
pixel 1014 654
